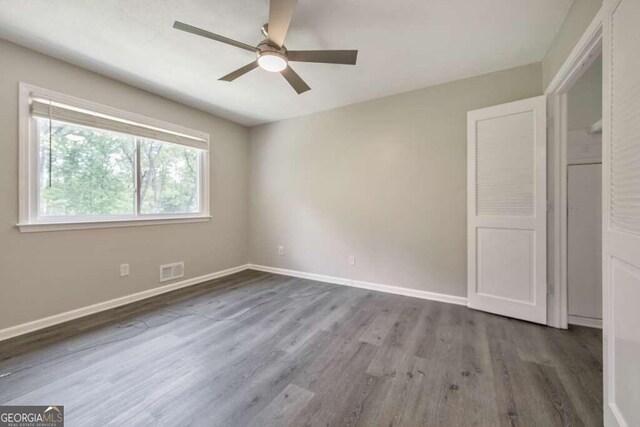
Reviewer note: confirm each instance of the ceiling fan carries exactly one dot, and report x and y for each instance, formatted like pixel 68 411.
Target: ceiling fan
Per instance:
pixel 271 53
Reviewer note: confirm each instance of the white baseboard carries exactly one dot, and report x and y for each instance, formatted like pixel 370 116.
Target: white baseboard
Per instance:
pixel 584 321
pixel 433 296
pixel 46 322
pixel 35 325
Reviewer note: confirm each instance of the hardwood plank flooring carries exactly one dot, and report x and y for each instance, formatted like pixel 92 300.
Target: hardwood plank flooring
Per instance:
pixel 257 349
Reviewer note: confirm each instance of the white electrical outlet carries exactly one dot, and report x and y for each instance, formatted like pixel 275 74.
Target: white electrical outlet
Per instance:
pixel 124 270
pixel 352 260
pixel 280 250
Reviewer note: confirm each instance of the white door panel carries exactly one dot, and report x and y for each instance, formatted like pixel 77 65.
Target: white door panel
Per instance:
pixel 505 258
pixel 621 212
pixel 625 351
pixel 506 190
pixel 584 260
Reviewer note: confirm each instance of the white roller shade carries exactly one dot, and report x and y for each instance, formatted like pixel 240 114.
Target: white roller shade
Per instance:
pixel 66 113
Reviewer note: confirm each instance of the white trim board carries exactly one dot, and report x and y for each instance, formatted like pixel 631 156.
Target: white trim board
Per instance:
pixel 584 321
pixel 56 319
pixel 415 293
pixel 84 225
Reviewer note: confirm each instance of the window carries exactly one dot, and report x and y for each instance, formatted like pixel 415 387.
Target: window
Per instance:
pixel 84 171
pixel 84 165
pixel 168 178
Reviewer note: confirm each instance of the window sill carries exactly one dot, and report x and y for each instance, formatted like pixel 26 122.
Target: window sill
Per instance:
pixel 84 225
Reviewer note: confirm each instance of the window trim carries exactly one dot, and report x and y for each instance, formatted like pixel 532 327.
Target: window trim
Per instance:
pixel 28 220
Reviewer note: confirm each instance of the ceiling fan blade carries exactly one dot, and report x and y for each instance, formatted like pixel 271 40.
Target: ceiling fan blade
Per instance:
pixel 204 33
pixel 239 72
pixel 280 14
pixel 295 81
pixel 347 57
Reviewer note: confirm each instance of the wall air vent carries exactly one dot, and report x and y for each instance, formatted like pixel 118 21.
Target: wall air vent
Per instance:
pixel 171 271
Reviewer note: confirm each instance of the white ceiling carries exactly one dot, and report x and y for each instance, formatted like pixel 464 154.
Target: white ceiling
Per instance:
pixel 403 44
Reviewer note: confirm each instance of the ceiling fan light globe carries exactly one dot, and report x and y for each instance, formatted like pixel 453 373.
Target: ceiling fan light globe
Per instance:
pixel 272 61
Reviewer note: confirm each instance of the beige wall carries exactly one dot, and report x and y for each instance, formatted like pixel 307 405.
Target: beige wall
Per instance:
pixel 383 180
pixel 42 274
pixel 578 19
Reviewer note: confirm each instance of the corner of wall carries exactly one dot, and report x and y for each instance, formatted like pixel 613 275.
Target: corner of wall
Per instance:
pixel 575 23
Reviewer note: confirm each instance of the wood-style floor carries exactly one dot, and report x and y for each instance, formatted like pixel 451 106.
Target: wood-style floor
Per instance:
pixel 267 350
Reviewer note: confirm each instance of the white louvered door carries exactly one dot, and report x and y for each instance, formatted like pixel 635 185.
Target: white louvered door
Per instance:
pixel 506 215
pixel 621 213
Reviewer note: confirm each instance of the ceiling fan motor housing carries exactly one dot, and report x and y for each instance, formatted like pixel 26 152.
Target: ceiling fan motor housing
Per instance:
pixel 264 46
pixel 271 54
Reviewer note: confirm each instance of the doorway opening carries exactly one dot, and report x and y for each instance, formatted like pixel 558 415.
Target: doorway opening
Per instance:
pixel 584 198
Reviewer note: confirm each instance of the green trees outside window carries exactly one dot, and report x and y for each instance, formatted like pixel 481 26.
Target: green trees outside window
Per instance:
pixel 168 178
pixel 86 171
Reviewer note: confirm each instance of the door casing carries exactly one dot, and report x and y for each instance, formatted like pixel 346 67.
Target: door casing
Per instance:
pixel 587 50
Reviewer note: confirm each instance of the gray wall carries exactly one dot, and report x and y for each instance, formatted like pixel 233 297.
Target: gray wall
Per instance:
pixel 584 108
pixel 42 274
pixel 578 19
pixel 383 180
pixel 585 98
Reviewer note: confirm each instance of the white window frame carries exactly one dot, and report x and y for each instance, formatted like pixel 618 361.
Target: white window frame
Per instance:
pixel 29 220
